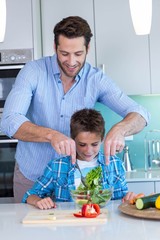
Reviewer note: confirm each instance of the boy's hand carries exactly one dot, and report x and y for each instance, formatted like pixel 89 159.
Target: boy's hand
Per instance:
pixel 45 203
pixel 129 196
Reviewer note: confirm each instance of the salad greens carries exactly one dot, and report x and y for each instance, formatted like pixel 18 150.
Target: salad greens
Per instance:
pixel 92 179
pixel 94 192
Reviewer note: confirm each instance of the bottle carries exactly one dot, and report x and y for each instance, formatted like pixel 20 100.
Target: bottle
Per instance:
pixel 126 159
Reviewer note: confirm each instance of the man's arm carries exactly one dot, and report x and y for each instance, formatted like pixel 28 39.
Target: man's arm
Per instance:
pixel 62 144
pixel 115 138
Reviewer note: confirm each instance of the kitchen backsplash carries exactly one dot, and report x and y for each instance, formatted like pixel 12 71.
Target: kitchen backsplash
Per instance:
pixel 136 146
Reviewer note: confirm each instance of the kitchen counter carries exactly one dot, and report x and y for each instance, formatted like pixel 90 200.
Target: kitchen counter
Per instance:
pixel 118 225
pixel 143 176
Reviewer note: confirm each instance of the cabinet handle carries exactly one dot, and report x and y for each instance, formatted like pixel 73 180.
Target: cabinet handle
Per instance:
pixel 8 141
pixel 103 67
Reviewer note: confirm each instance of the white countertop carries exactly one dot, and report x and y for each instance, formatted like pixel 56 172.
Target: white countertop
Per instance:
pixel 118 226
pixel 141 175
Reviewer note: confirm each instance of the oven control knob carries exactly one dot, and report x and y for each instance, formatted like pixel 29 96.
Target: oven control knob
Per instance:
pixel 12 58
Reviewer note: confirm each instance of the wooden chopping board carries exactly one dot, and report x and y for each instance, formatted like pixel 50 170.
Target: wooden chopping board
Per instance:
pixel 61 216
pixel 149 213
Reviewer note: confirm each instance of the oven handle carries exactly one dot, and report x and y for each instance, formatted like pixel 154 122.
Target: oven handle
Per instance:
pixel 8 141
pixel 11 67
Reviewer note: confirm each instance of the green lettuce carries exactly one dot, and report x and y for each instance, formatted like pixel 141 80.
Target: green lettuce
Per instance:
pixel 93 180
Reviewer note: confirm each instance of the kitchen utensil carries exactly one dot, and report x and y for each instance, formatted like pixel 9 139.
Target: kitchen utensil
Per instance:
pixel 83 179
pixel 126 159
pixel 152 149
pixel 158 150
pixel 149 154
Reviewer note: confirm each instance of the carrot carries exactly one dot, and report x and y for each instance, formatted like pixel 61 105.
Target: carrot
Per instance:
pixel 133 200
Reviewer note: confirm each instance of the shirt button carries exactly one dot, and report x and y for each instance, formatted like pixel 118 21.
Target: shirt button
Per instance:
pixel 63 98
pixel 61 116
pixel 59 81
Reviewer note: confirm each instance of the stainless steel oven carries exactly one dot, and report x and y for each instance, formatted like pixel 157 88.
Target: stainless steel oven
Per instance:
pixel 7 162
pixel 11 62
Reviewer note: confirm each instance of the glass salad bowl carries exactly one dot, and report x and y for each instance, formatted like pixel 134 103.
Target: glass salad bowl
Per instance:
pixel 98 196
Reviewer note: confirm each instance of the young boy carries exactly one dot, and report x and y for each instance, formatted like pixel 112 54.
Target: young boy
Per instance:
pixel 87 129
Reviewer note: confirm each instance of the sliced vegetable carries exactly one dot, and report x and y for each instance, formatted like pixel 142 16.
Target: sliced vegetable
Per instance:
pixel 79 214
pixel 88 211
pixel 157 203
pixel 146 202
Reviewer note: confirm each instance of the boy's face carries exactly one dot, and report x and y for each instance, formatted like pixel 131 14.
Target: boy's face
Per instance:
pixel 87 145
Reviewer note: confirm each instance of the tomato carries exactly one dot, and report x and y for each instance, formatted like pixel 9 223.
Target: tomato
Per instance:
pixel 89 211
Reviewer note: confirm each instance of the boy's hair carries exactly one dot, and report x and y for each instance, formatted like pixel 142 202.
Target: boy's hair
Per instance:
pixel 72 27
pixel 87 120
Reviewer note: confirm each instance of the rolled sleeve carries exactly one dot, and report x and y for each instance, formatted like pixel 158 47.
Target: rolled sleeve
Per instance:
pixel 26 195
pixel 10 125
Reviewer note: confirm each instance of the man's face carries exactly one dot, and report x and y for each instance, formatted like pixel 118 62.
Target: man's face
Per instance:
pixel 71 55
pixel 87 145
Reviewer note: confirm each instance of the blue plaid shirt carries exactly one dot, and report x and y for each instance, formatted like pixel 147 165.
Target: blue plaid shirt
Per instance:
pixel 58 179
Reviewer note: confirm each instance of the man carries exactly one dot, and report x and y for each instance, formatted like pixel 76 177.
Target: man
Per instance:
pixel 48 91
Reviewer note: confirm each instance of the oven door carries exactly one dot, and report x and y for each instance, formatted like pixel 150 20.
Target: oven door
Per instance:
pixel 7 162
pixel 8 74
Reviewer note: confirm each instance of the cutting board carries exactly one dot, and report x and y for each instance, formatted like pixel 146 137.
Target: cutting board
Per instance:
pixel 61 216
pixel 150 213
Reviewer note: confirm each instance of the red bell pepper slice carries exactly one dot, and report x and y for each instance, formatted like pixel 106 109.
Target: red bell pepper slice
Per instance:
pixel 89 211
pixel 79 214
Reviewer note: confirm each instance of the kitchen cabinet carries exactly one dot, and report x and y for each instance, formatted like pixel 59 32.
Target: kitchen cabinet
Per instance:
pixel 142 187
pixel 52 11
pixel 131 60
pixel 18 25
pixel 157 187
pixel 142 181
pixel 155 48
pixel 124 54
pixel 23 26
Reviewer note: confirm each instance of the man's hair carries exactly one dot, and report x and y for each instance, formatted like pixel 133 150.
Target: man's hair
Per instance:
pixel 72 27
pixel 87 120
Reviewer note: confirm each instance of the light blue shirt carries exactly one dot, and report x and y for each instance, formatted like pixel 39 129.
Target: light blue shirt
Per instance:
pixel 38 96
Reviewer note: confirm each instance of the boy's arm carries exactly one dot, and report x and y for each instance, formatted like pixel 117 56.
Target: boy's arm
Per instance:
pixel 42 188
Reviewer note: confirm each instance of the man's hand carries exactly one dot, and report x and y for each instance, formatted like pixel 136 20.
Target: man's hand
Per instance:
pixel 114 142
pixel 115 139
pixel 63 145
